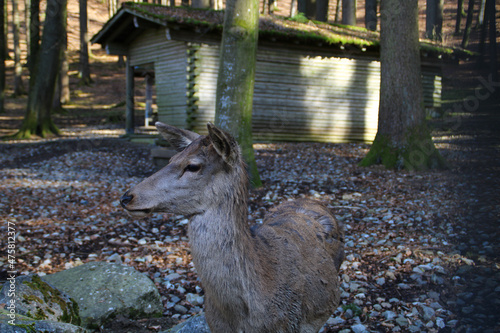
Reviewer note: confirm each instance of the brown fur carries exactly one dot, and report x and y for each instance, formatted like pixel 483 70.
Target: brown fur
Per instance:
pixel 281 276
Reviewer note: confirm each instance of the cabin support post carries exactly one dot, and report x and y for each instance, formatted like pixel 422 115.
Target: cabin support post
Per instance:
pixel 129 120
pixel 149 99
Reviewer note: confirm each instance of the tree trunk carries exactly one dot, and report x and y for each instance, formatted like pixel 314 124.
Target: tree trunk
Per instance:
pixel 460 13
pixel 84 45
pixel 65 96
pixel 38 119
pixel 27 22
pixel 2 57
pixel 62 93
pixel 322 10
pixel 402 140
pixel 491 12
pixel 481 16
pixel 314 9
pixel 371 14
pixel 18 67
pixel 468 24
pixel 337 11
pixel 434 19
pixel 204 4
pixel 349 12
pixel 34 35
pixel 235 82
pixel 130 108
pixel 6 29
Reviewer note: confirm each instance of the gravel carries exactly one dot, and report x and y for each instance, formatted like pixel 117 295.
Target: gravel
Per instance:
pixel 405 270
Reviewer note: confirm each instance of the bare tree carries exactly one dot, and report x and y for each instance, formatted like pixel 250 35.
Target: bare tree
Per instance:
pixel 84 45
pixel 235 82
pixel 349 12
pixel 468 23
pixel 18 67
pixel 403 139
pixel 38 111
pixel 34 34
pixel 434 19
pixel 314 9
pixel 371 14
pixel 2 56
pixel 460 13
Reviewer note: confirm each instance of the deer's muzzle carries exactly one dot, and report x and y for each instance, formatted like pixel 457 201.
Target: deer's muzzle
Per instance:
pixel 125 199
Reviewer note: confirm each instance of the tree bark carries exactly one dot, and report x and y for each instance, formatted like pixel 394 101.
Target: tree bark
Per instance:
pixel 371 14
pixel 349 12
pixel 38 112
pixel 34 34
pixel 403 139
pixel 130 108
pixel 337 11
pixel 84 45
pixel 204 4
pixel 235 82
pixel 460 13
pixel 434 19
pixel 468 23
pixel 490 5
pixel 2 56
pixel 18 67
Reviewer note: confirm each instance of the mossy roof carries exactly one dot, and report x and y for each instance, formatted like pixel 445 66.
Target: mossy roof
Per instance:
pixel 272 28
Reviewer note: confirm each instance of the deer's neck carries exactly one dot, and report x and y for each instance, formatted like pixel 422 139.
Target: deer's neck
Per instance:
pixel 223 251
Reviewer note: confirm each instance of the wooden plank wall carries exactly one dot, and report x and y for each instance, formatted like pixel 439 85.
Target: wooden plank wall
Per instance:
pixel 297 97
pixel 302 98
pixel 170 64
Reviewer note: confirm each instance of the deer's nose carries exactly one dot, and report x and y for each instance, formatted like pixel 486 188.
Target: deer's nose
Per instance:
pixel 125 199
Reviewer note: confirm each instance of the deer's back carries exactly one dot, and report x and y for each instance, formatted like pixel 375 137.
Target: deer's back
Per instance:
pixel 301 249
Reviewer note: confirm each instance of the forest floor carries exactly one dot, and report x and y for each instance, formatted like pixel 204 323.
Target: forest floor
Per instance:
pixel 422 247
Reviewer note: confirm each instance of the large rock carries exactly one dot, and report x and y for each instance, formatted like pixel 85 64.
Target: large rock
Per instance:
pixel 195 324
pixel 23 324
pixel 32 297
pixel 104 290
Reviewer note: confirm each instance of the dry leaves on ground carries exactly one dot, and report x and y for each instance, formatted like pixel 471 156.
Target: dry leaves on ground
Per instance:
pixel 62 197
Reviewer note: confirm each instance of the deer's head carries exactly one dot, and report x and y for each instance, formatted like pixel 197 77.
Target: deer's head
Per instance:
pixel 194 180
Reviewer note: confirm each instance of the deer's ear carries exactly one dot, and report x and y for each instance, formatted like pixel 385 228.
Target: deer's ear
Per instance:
pixel 179 138
pixel 224 144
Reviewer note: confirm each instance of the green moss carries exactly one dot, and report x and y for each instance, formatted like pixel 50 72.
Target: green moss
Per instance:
pixel 31 298
pixel 30 328
pixel 329 34
pixel 416 152
pixel 52 295
pixel 40 315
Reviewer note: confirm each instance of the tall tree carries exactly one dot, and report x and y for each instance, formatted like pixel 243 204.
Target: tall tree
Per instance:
pixel 491 12
pixel 84 45
pixel 434 19
pixel 235 81
pixel 403 139
pixel 2 56
pixel 18 67
pixel 38 118
pixel 349 12
pixel 468 23
pixel 34 34
pixel 371 14
pixel 204 4
pixel 314 9
pixel 460 13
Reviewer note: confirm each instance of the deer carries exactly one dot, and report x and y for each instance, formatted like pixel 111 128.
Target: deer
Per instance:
pixel 278 276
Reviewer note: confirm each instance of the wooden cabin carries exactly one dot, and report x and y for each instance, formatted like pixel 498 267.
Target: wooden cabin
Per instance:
pixel 314 81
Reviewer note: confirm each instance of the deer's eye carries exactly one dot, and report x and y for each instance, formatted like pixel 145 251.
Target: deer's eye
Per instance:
pixel 193 168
